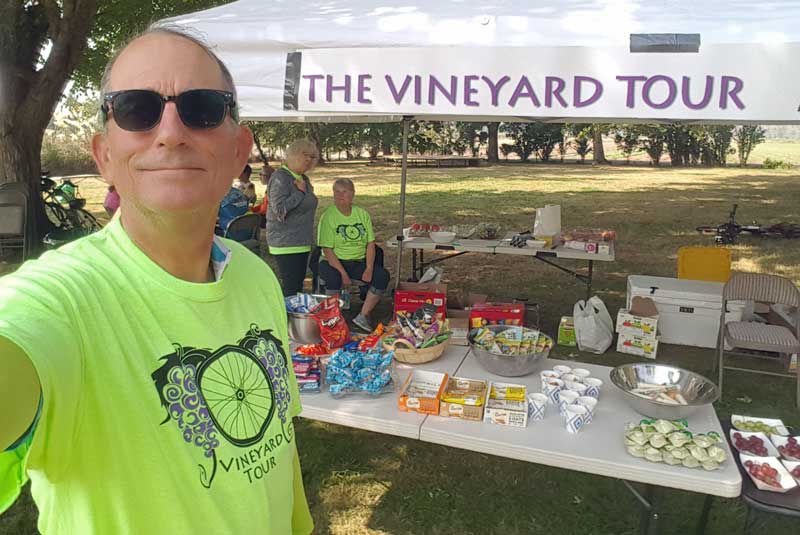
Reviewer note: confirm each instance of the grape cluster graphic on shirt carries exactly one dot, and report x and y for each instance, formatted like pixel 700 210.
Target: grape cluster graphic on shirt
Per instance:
pixel 351 232
pixel 232 392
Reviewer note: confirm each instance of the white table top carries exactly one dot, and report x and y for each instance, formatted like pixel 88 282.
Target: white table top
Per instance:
pixel 378 414
pixel 597 449
pixel 501 247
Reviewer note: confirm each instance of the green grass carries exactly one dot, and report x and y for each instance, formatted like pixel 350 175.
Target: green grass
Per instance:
pixel 365 483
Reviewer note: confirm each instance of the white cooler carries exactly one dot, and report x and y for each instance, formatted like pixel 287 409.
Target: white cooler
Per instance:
pixel 688 310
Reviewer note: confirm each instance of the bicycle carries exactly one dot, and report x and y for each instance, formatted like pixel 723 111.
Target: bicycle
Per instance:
pixel 728 232
pixel 65 209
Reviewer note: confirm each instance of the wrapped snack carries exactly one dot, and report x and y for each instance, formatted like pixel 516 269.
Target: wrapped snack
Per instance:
pixel 664 426
pixel 670 459
pixel 657 440
pixel 709 465
pixel 698 452
pixel 639 437
pixel 690 462
pixel 703 441
pixel 680 452
pixel 636 451
pixel 356 371
pixel 425 314
pixel 332 326
pixel 717 454
pixel 653 455
pixel 679 438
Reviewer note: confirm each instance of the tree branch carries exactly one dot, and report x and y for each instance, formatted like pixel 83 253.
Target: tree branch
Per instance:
pixel 53 14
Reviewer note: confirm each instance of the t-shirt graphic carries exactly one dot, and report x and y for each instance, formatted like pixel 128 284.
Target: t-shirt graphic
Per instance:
pixel 351 232
pixel 231 393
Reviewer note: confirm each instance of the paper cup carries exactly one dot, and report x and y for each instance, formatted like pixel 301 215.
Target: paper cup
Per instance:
pixel 552 389
pixel 548 374
pixel 566 398
pixel 575 417
pixel 590 403
pixel 593 387
pixel 561 369
pixel 538 406
pixel 580 388
pixel 570 378
pixel 406 232
pixel 581 373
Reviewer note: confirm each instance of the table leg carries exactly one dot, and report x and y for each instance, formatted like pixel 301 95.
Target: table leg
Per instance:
pixel 421 266
pixel 413 266
pixel 703 522
pixel 651 516
pixel 589 281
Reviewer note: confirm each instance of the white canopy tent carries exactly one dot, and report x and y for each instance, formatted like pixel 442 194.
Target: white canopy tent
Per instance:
pixel 720 61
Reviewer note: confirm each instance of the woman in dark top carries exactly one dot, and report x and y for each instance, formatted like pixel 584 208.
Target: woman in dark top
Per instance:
pixel 290 214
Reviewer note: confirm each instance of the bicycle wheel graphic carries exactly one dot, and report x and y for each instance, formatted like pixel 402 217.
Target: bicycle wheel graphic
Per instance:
pixel 238 394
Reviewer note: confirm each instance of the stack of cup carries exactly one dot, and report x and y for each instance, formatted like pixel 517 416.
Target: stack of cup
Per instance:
pixel 537 404
pixel 575 417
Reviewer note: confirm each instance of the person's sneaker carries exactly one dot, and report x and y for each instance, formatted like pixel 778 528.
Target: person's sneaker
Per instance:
pixel 362 323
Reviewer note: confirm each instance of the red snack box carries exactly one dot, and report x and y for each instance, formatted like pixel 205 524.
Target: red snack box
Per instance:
pixel 496 314
pixel 412 295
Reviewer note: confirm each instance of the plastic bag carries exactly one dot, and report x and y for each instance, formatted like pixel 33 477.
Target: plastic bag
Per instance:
pixel 548 221
pixel 594 329
pixel 333 328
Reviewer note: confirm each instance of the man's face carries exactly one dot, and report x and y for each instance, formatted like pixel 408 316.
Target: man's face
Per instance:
pixel 172 168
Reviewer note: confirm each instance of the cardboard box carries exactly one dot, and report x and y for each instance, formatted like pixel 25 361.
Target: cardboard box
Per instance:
pixel 496 314
pixel 422 392
pixel 633 325
pixel 464 398
pixel 409 296
pixel 504 411
pixel 636 345
pixel 459 305
pixel 566 332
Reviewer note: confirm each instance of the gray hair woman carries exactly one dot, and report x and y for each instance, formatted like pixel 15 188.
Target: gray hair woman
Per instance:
pixel 290 214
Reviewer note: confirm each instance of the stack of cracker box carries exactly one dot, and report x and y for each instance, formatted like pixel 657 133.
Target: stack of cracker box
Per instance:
pixel 637 328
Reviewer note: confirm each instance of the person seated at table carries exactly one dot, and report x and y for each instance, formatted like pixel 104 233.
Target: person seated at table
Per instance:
pixel 243 184
pixel 347 240
pixel 233 205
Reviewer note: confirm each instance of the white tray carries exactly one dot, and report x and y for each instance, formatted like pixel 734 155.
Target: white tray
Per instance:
pixel 777 424
pixel 778 440
pixel 771 450
pixel 784 477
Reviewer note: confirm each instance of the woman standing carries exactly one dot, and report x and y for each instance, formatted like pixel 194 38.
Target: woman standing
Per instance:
pixel 290 214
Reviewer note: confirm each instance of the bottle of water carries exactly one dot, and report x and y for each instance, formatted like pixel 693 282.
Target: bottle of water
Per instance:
pixel 344 298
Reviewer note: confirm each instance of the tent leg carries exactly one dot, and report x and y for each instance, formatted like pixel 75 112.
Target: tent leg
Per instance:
pixel 403 171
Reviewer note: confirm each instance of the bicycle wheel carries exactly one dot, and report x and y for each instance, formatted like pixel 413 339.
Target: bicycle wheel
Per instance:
pixel 238 394
pixel 86 221
pixel 57 215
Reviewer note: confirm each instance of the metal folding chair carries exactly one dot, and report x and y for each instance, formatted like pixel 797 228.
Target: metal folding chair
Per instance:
pixel 771 289
pixel 244 229
pixel 13 218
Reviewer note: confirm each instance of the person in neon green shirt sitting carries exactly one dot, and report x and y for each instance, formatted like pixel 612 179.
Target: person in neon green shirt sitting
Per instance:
pixel 145 375
pixel 347 240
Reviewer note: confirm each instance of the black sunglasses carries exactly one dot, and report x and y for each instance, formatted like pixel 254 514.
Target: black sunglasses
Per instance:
pixel 139 110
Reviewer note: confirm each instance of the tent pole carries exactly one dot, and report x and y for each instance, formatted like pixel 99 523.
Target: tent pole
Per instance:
pixel 403 170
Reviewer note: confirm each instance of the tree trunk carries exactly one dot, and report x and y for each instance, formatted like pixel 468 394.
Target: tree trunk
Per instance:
pixel 491 151
pixel 29 96
pixel 313 130
pixel 597 146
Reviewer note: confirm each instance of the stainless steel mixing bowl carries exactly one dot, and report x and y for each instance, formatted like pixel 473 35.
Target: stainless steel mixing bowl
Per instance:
pixel 506 365
pixel 695 389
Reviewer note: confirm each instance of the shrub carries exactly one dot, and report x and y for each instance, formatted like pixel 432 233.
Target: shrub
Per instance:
pixel 62 155
pixel 769 163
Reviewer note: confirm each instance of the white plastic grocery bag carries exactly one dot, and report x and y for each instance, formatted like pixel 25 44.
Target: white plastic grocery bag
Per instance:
pixel 594 329
pixel 548 221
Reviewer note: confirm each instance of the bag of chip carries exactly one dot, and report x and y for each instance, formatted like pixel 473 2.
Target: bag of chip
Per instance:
pixel 332 326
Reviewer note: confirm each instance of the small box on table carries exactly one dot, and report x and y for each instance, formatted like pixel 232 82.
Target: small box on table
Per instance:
pixel 422 392
pixel 409 296
pixel 507 405
pixel 464 398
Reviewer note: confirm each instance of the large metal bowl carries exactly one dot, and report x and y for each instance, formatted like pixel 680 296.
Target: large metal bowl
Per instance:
pixel 303 328
pixel 505 365
pixel 695 389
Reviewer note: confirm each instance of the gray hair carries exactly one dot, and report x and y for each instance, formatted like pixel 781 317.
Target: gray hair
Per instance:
pixel 345 182
pixel 298 147
pixel 172 30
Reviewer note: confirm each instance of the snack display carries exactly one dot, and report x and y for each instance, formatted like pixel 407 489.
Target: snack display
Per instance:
pixel 768 473
pixel 768 426
pixel 301 303
pixel 464 398
pixel 512 341
pixel 359 371
pixel 418 330
pixel 671 442
pixel 423 229
pixel 507 405
pixel 589 235
pixel 422 392
pixel 307 371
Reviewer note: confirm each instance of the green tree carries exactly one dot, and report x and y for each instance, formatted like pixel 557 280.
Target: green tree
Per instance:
pixel 582 135
pixel 717 144
pixel 627 140
pixel 747 137
pixel 652 140
pixel 42 44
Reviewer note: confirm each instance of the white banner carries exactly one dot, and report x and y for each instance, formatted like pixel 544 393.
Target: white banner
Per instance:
pixel 721 83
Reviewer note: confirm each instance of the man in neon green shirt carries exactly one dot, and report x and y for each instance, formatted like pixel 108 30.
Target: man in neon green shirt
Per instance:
pixel 347 240
pixel 144 388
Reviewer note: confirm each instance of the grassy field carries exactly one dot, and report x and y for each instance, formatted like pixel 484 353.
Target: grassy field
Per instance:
pixel 364 483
